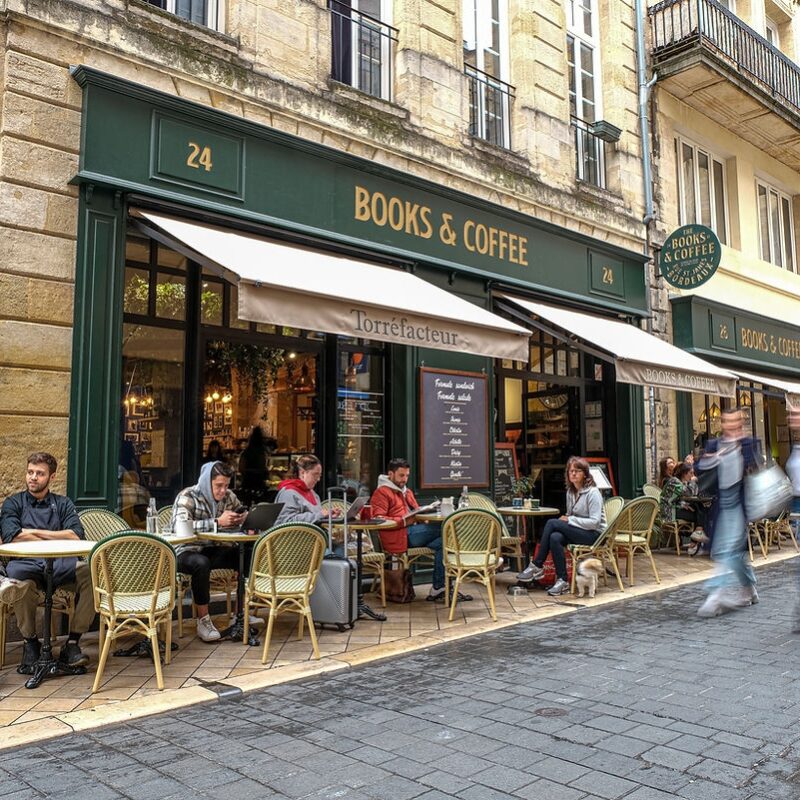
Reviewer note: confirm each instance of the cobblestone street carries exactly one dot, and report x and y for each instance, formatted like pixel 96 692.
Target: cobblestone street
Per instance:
pixel 639 700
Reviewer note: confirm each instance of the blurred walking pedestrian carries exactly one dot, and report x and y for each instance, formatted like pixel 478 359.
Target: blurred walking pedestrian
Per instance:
pixel 733 455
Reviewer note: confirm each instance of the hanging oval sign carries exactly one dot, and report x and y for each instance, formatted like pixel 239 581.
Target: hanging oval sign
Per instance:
pixel 690 256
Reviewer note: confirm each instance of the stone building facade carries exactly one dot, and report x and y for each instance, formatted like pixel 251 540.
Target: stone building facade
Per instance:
pixel 269 62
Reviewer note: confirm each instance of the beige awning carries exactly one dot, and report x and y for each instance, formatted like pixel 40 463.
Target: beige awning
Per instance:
pixel 790 388
pixel 639 357
pixel 304 288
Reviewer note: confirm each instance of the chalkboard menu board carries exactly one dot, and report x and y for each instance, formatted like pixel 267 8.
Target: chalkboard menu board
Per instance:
pixel 454 429
pixel 505 472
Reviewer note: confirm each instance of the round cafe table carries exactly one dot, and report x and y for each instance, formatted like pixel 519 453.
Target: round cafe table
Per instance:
pixel 239 538
pixel 364 610
pixel 48 550
pixel 520 513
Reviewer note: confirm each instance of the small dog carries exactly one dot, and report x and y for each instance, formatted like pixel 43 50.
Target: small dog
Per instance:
pixel 590 570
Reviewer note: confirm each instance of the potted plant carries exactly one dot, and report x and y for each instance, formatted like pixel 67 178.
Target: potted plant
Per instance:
pixel 523 487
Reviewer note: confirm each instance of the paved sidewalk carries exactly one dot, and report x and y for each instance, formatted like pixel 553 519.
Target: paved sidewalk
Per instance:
pixel 641 700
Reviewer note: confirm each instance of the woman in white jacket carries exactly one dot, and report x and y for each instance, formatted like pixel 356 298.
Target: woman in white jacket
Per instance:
pixel 584 521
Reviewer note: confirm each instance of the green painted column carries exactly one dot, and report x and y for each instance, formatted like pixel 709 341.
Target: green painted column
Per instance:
pixel 96 359
pixel 683 404
pixel 631 440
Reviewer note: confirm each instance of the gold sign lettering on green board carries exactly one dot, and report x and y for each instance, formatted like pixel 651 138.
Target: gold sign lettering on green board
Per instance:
pixel 416 219
pixel 199 156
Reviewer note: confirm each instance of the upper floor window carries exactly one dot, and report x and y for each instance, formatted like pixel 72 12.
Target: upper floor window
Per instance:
pixel 585 96
pixel 771 33
pixel 486 68
pixel 362 40
pixel 201 12
pixel 701 188
pixel 775 226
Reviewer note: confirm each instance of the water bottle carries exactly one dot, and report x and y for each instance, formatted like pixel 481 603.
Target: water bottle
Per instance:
pixel 463 501
pixel 152 516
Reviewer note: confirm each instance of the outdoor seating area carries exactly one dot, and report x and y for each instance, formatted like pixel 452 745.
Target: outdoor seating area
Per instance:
pixel 418 624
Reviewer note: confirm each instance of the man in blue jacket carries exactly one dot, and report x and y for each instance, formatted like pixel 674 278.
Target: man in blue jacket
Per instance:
pixel 733 455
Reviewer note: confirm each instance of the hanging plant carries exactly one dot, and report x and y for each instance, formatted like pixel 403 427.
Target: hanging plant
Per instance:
pixel 256 366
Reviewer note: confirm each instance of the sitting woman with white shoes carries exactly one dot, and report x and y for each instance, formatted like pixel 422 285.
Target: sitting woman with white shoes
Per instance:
pixel 584 521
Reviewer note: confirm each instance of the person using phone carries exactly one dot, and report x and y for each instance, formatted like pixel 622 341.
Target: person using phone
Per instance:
pixel 205 504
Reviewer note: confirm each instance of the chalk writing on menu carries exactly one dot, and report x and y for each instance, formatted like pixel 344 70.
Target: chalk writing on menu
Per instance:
pixel 454 429
pixel 505 473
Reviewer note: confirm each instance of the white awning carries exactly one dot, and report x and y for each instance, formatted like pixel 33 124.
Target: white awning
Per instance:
pixel 791 389
pixel 639 357
pixel 304 288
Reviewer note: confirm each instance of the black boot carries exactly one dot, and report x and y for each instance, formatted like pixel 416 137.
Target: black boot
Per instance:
pixel 30 655
pixel 71 655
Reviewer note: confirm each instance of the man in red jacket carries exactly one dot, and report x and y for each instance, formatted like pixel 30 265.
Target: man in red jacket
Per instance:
pixel 395 501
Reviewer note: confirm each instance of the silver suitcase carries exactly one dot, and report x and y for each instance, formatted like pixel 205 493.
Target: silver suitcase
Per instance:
pixel 335 597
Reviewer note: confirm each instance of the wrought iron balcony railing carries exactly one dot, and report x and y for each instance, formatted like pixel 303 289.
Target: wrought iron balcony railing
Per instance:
pixel 680 25
pixel 363 50
pixel 590 154
pixel 489 107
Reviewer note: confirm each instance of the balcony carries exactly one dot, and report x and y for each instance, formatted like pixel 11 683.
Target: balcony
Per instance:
pixel 362 50
pixel 710 59
pixel 489 107
pixel 590 166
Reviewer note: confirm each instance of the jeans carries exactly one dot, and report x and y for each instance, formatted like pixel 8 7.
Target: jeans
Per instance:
pixel 428 534
pixel 199 563
pixel 557 534
pixel 729 547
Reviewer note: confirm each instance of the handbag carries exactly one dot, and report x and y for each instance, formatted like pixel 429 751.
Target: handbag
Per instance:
pixel 767 493
pixel 399 586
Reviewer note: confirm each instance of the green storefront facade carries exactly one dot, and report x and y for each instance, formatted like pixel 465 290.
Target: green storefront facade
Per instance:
pixel 764 352
pixel 142 149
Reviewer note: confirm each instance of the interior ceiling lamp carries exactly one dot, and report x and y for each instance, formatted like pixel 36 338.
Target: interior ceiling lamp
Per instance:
pixel 744 397
pixel 227 397
pixel 215 395
pixel 715 411
pixel 209 399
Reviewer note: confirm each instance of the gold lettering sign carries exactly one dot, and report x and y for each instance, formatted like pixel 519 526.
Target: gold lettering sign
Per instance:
pixel 765 342
pixel 414 219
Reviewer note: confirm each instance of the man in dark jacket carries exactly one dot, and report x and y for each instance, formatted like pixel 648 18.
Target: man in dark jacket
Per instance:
pixel 37 514
pixel 732 456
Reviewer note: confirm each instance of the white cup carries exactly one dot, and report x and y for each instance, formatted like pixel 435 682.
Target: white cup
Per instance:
pixel 183 527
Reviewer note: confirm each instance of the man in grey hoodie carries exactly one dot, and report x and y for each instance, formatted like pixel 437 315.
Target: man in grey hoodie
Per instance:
pixel 208 501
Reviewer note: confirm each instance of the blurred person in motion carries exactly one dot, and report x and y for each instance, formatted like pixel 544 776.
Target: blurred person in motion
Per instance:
pixel 793 471
pixel 732 455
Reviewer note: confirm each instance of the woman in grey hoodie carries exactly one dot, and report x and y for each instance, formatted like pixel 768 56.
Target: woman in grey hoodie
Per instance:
pixel 584 521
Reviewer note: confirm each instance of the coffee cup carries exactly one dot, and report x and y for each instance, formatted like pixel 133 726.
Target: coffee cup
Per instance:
pixel 534 504
pixel 516 502
pixel 183 527
pixel 527 504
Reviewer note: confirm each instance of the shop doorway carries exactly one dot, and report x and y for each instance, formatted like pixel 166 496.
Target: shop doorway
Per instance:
pixel 259 409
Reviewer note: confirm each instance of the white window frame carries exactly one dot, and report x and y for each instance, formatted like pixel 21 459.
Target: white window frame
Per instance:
pixel 478 23
pixel 770 257
pixel 680 142
pixel 385 16
pixel 215 13
pixel 593 42
pixel 771 29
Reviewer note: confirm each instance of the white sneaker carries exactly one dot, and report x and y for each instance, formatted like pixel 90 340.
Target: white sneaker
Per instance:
pixel 720 602
pixel 206 630
pixel 12 590
pixel 699 536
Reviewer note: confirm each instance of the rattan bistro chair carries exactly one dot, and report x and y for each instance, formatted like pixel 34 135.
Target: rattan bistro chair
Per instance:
pixel 510 546
pixel 471 542
pixel 283 574
pixel 602 548
pixel 651 490
pixel 100 522
pixel 633 529
pixel 133 578
pixel 164 518
pixel 612 507
pixel 778 528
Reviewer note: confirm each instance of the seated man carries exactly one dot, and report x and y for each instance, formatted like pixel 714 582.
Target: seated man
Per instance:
pixel 201 504
pixel 393 500
pixel 38 513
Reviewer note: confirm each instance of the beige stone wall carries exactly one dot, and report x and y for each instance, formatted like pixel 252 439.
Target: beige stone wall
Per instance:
pixel 271 65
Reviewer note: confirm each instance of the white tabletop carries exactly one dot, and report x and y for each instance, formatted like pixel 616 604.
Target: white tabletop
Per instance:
pixel 47 548
pixel 177 538
pixel 542 511
pixel 227 536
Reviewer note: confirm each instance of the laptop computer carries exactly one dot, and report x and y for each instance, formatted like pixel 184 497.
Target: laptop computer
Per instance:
pixel 262 516
pixel 355 508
